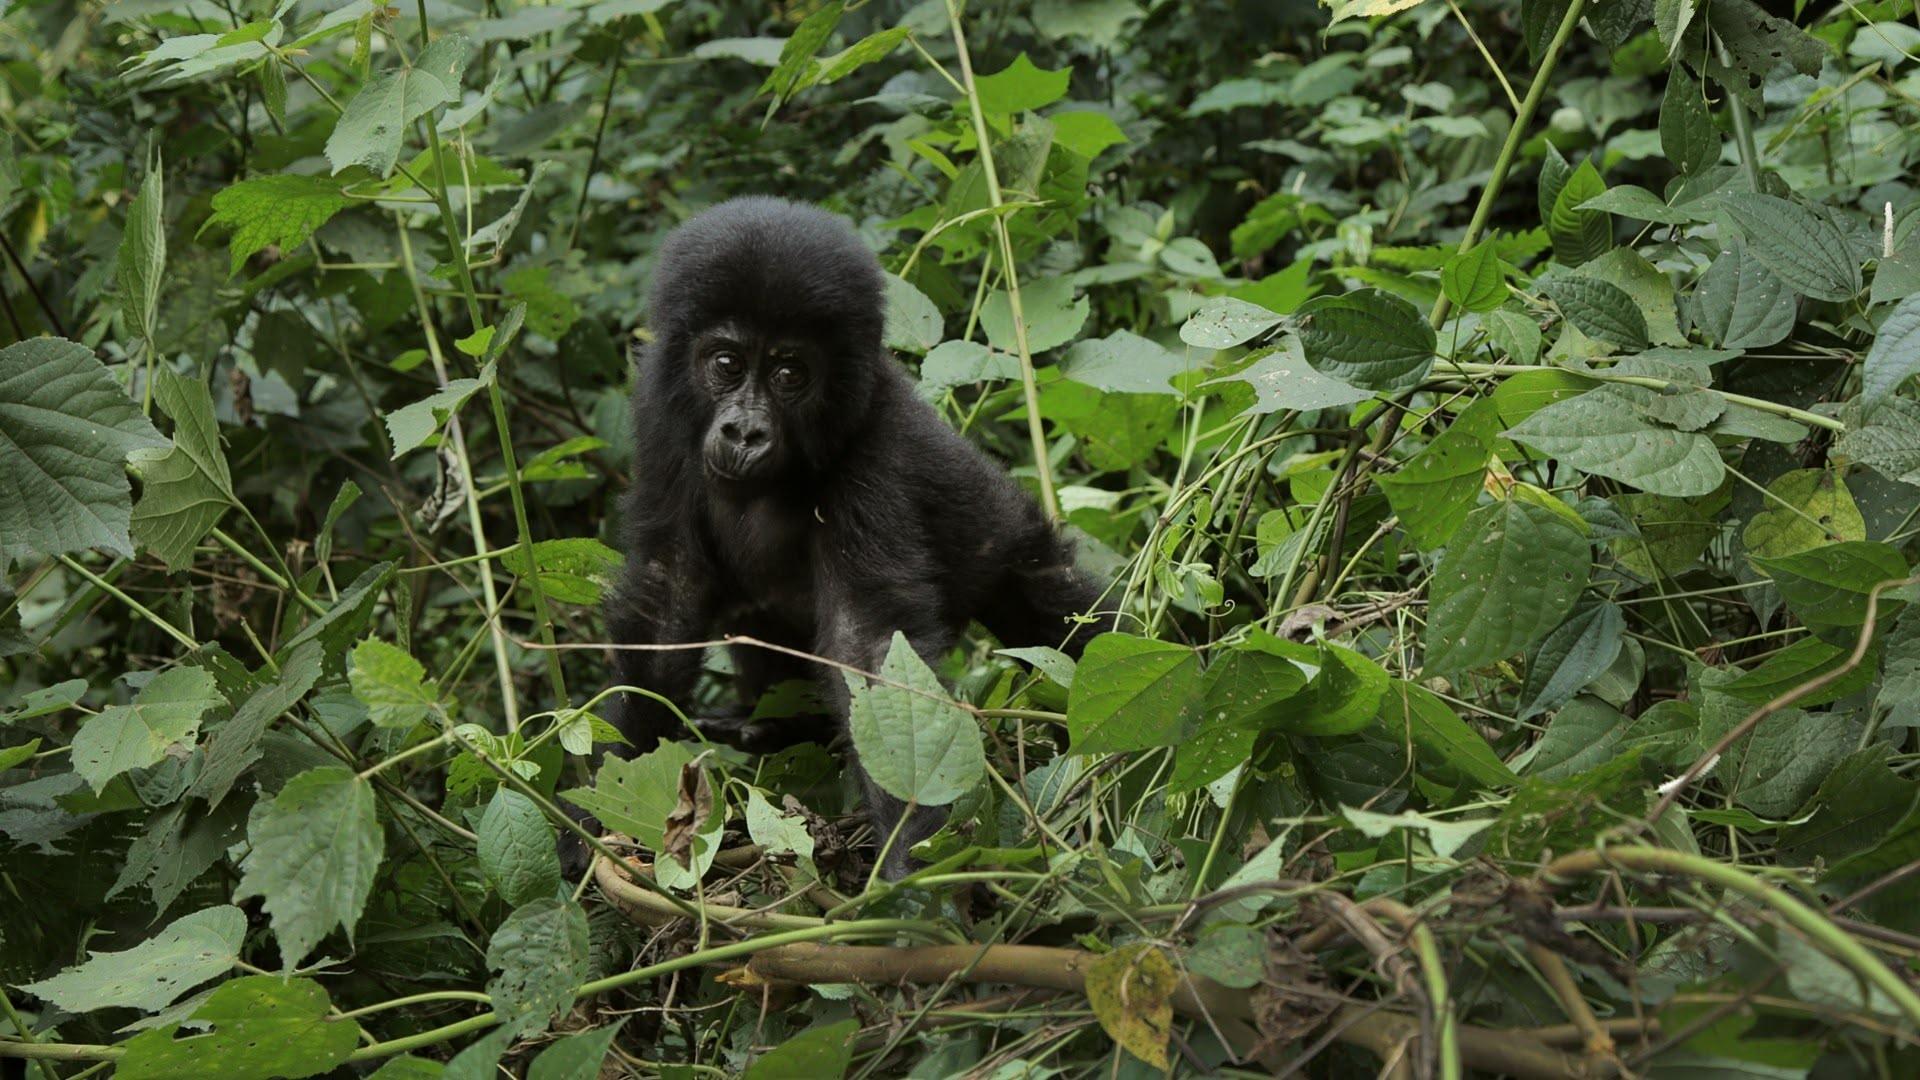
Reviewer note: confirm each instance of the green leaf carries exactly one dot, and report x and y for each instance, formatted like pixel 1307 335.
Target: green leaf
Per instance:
pixel 1446 837
pixel 1601 432
pixel 412 424
pixel 1473 279
pixel 1410 713
pixel 1123 362
pixel 1687 135
pixel 1804 249
pixel 66 428
pixel 1341 698
pixel 1282 379
pixel 235 745
pixel 796 69
pixel 185 489
pixel 164 714
pixel 1510 576
pixel 1369 338
pixel 635 795
pixel 516 848
pixel 540 954
pixel 1895 355
pixel 1600 309
pixel 315 850
pixel 1513 335
pixel 1131 693
pixel 913 323
pixel 1638 203
pixel 912 740
pixel 393 685
pixel 1020 87
pixel 143 255
pixel 1052 313
pixel 1797 664
pixel 1808 508
pixel 374 126
pixel 1131 992
pixel 874 47
pixel 824 1051
pixel 1579 235
pixel 1223 322
pixel 281 210
pixel 149 976
pixel 1741 304
pixel 1433 491
pixel 263 1026
pixel 575 570
pixel 1887 438
pixel 1775 769
pixel 963 363
pixel 1827 586
pixel 574 1057
pixel 1577 652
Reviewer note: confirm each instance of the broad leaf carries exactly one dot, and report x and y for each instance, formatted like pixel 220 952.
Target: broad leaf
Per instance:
pixel 912 740
pixel 1131 992
pixel 149 976
pixel 1600 309
pixel 66 429
pixel 262 1027
pixel 1124 363
pixel 1282 379
pixel 1510 576
pixel 164 714
pixel 1473 280
pixel 823 1052
pixel 1827 586
pixel 281 210
pixel 1435 489
pixel 1601 432
pixel 186 489
pixel 1130 693
pixel 372 129
pixel 315 849
pixel 539 955
pixel 1741 304
pixel 1372 339
pixel 392 685
pixel 1895 355
pixel 1805 249
pixel 635 795
pixel 1687 134
pixel 1577 652
pixel 1223 322
pixel 913 323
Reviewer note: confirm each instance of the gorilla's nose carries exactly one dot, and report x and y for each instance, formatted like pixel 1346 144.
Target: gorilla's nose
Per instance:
pixel 746 435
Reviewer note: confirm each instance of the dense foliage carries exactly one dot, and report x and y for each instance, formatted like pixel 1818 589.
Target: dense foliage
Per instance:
pixel 1498 420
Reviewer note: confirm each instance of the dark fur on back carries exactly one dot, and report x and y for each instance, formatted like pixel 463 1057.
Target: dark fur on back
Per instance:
pixel 890 521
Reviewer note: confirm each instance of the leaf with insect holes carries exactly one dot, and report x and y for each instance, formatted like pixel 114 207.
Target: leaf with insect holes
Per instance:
pixel 1131 992
pixel 1132 693
pixel 150 975
pixel 256 1027
pixel 540 954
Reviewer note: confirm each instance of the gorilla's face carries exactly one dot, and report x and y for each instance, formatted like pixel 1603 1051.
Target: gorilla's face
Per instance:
pixel 761 386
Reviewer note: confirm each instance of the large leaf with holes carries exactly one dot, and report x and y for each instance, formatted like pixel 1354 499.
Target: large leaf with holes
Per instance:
pixel 1803 247
pixel 252 1028
pixel 1601 432
pixel 1372 339
pixel 1510 575
pixel 374 125
pixel 191 950
pixel 1130 693
pixel 163 717
pixel 66 428
pixel 539 955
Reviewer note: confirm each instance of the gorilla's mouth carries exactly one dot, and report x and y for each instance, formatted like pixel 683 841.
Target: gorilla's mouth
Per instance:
pixel 728 464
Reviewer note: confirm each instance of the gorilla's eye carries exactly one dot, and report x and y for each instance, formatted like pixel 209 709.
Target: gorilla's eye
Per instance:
pixel 790 376
pixel 727 365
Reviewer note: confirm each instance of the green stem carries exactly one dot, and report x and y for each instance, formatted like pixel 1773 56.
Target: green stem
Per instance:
pixel 1516 137
pixel 1811 419
pixel 274 578
pixel 136 606
pixel 1835 941
pixel 1029 386
pixel 1742 124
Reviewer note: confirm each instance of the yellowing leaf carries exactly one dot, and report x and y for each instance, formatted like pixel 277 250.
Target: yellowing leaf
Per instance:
pixel 1131 991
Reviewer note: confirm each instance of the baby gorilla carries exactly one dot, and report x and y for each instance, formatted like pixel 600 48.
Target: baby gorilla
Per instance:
pixel 791 487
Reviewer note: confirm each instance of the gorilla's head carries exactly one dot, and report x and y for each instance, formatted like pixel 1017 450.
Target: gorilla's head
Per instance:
pixel 767 318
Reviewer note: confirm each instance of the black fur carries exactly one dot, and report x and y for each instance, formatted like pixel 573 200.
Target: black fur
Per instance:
pixel 875 516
